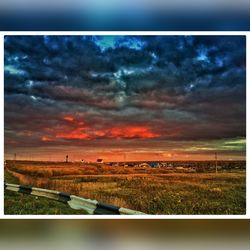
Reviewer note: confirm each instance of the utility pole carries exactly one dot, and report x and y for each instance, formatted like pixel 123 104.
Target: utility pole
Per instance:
pixel 216 170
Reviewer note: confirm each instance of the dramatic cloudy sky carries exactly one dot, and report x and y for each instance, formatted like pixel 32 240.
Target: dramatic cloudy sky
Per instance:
pixel 125 97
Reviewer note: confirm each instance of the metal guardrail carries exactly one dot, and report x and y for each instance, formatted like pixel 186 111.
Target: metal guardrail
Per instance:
pixel 75 202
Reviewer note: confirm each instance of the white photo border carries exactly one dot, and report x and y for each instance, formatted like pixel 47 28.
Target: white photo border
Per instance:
pixel 156 33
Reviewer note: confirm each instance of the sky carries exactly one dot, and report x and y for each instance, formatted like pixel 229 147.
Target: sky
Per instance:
pixel 125 98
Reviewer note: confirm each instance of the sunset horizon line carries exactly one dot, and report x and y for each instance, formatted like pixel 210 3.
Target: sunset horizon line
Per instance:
pixel 127 161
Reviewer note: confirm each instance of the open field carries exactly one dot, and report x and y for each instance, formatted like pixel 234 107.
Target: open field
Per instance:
pixel 150 190
pixel 20 204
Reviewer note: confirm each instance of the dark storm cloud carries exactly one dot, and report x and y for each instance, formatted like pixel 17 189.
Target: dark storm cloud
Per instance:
pixel 161 87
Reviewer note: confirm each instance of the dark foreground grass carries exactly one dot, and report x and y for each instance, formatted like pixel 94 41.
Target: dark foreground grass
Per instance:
pixel 23 204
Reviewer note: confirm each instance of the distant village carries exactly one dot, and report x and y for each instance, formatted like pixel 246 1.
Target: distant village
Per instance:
pixel 178 166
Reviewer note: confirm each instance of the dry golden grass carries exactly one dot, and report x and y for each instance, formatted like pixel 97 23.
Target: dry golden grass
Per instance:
pixel 153 191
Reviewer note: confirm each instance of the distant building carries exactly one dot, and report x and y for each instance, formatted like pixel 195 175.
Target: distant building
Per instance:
pixel 153 164
pixel 99 160
pixel 144 165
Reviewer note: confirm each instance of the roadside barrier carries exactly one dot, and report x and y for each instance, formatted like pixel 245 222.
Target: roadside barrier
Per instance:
pixel 75 202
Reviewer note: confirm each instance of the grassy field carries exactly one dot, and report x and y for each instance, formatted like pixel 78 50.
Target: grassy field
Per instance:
pixel 21 204
pixel 153 191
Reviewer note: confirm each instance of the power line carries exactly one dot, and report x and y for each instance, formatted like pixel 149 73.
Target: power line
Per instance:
pixel 216 168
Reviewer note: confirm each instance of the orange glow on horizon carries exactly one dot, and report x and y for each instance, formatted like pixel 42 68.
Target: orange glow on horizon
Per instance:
pixel 69 118
pixel 46 138
pixel 85 133
pixel 75 134
pixel 133 132
pixel 121 156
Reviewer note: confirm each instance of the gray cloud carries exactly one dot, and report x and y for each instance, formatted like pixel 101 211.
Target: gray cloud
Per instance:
pixel 173 87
